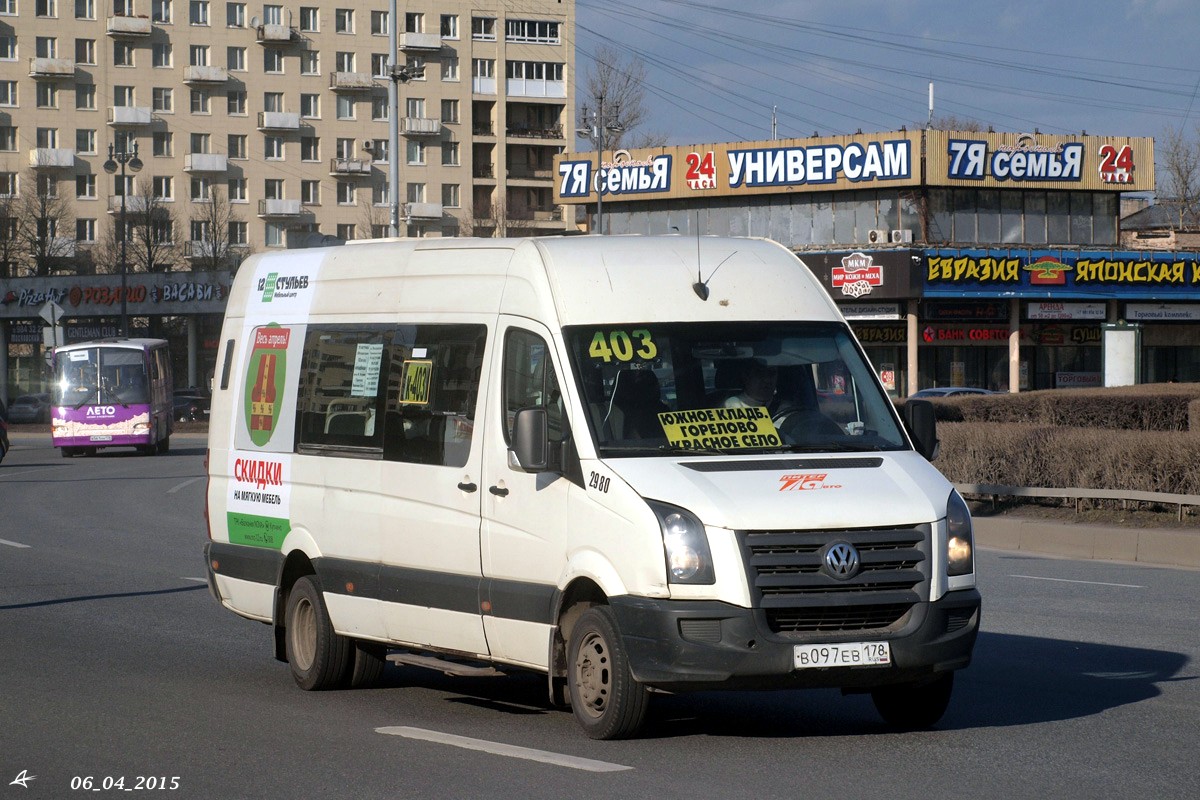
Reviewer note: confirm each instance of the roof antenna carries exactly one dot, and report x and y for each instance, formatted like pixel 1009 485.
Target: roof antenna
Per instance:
pixel 700 287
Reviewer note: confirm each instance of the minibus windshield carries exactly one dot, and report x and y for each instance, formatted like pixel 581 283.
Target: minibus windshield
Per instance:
pixel 704 387
pixel 101 376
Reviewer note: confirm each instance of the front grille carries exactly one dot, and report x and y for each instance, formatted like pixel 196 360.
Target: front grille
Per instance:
pixel 796 593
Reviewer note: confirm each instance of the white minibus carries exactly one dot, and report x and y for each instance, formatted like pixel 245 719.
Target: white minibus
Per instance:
pixel 632 464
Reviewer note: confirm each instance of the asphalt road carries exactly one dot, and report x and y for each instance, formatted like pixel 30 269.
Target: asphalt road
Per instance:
pixel 117 665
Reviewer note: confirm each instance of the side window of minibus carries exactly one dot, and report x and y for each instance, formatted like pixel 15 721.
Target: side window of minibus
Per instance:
pixel 530 381
pixel 342 384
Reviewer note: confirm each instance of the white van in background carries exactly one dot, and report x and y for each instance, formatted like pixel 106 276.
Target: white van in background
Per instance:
pixel 545 454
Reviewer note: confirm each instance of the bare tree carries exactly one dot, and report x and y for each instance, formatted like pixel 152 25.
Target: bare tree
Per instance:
pixel 1178 161
pixel 619 85
pixel 372 217
pixel 10 242
pixel 950 122
pixel 214 250
pixel 154 236
pixel 42 219
pixel 494 219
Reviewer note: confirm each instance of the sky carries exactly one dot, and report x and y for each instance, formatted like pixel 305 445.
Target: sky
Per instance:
pixel 717 70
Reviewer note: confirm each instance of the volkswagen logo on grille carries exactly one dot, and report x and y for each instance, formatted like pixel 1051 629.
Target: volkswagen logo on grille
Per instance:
pixel 841 560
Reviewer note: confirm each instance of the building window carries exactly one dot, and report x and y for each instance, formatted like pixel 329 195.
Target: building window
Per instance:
pixel 273 102
pixel 85 187
pixel 201 190
pixel 45 8
pixel 416 152
pixel 235 59
pixel 85 230
pixel 237 190
pixel 235 15
pixel 483 29
pixel 85 141
pixel 272 61
pixel 273 148
pixel 235 103
pixel 379 65
pixel 343 20
pixel 310 193
pixel 163 144
pixel 345 232
pixel 450 154
pixel 85 96
pixel 160 54
pixel 200 101
pixel 272 15
pixel 414 22
pixel 450 111
pixel 8 93
pixel 273 188
pixel 123 96
pixel 310 62
pixel 309 19
pixel 198 55
pixel 85 51
pixel 85 9
pixel 381 109
pixel 198 12
pixel 310 148
pixel 414 107
pixel 8 138
pixel 273 234
pixel 47 95
pixel 343 62
pixel 449 26
pixel 343 148
pixel 345 193
pixel 46 47
pixel 345 107
pixel 163 99
pixel 163 187
pixel 161 11
pixel 483 68
pixel 237 234
pixel 531 31
pixel 450 195
pixel 122 54
pixel 200 142
pixel 46 137
pixel 236 143
pixel 310 106
pixel 8 184
pixel 450 68
pixel 379 23
pixel 416 193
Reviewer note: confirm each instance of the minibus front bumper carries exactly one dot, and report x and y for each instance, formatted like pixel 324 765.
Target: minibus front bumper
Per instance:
pixel 694 645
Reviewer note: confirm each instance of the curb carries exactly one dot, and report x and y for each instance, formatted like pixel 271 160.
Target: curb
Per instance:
pixel 1161 547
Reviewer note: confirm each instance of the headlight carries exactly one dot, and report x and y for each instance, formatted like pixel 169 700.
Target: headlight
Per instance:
pixel 960 542
pixel 685 545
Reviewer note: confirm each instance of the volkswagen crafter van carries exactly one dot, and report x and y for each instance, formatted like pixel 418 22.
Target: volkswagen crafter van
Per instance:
pixel 544 454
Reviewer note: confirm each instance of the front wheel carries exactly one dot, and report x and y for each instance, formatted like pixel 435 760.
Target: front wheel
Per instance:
pixel 606 699
pixel 319 658
pixel 914 706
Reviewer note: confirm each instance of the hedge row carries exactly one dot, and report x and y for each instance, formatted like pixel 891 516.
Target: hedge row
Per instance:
pixel 1151 407
pixel 1014 454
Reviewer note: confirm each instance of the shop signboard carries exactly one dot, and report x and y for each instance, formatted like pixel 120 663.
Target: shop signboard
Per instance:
pixel 1061 274
pixel 1162 312
pixel 1073 380
pixel 145 294
pixel 869 311
pixel 1038 311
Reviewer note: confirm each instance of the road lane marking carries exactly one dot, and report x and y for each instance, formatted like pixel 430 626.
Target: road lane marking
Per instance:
pixel 179 486
pixel 197 580
pixel 14 544
pixel 496 748
pixel 1088 583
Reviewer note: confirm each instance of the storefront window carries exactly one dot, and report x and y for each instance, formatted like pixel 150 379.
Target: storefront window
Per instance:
pixel 1010 218
pixel 1058 220
pixel 1104 219
pixel 822 207
pixel 964 216
pixel 989 216
pixel 1081 218
pixel 941 222
pixel 1035 218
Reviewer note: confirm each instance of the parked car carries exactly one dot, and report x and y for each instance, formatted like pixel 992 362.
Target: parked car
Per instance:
pixel 29 408
pixel 191 405
pixel 950 391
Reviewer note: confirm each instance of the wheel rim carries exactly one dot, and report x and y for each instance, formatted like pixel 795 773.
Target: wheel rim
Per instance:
pixel 593 674
pixel 303 631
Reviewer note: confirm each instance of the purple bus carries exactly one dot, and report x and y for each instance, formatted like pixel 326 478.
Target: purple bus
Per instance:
pixel 112 393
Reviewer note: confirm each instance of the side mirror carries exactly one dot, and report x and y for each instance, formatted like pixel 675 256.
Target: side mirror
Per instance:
pixel 921 421
pixel 530 440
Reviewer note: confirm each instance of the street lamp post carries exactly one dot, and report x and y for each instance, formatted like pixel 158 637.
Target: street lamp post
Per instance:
pixel 398 74
pixel 597 123
pixel 123 159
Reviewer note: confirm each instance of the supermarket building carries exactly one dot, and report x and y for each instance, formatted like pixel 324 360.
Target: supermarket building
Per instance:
pixel 969 258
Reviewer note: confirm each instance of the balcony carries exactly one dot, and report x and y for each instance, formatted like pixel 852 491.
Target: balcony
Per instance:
pixel 524 132
pixel 129 26
pixel 419 42
pixel 483 129
pixel 349 166
pixel 351 81
pixel 534 87
pixel 130 115
pixel 420 126
pixel 205 162
pixel 276 34
pixel 485 171
pixel 423 210
pixel 201 75
pixel 134 204
pixel 52 158
pixel 51 68
pixel 278 208
pixel 278 121
pixel 524 172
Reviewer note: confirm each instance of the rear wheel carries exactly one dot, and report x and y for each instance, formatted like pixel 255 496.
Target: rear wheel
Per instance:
pixel 369 661
pixel 319 658
pixel 606 699
pixel 914 706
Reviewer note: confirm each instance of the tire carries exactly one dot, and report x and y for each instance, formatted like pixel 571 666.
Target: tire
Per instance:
pixel 369 658
pixel 319 658
pixel 164 445
pixel 69 452
pixel 914 706
pixel 606 700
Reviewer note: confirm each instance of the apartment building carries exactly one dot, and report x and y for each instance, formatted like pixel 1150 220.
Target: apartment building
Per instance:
pixel 281 111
